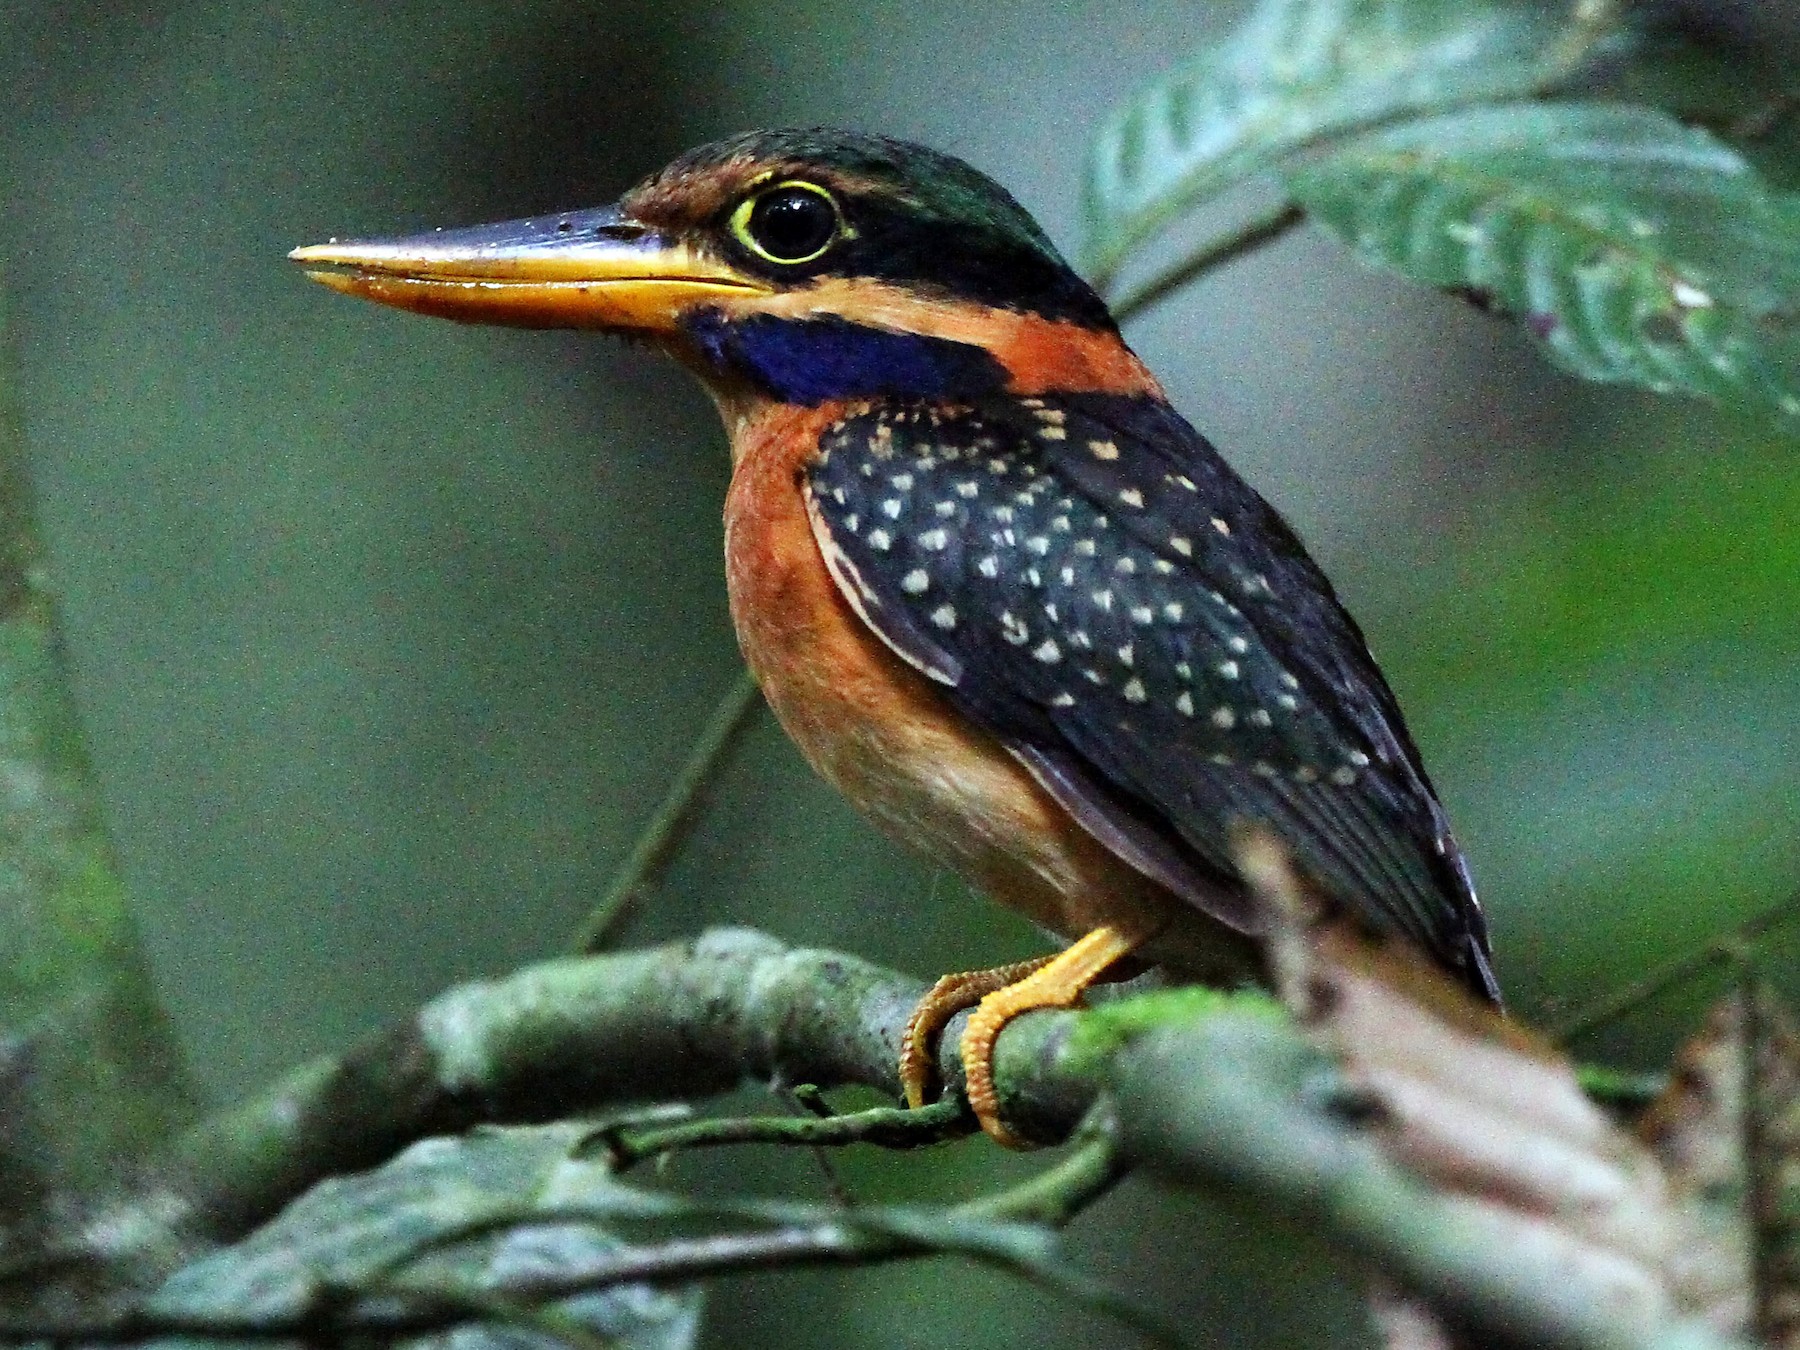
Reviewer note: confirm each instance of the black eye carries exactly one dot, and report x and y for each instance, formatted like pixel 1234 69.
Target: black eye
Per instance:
pixel 792 223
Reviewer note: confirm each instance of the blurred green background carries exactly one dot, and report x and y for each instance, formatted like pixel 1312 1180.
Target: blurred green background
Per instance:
pixel 389 634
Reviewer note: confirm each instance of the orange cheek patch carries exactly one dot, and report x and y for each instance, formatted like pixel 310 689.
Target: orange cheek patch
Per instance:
pixel 1048 356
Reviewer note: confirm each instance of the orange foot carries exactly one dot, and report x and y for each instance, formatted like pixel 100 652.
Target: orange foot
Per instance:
pixel 1002 994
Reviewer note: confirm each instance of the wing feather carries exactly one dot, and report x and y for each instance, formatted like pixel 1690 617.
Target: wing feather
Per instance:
pixel 1089 581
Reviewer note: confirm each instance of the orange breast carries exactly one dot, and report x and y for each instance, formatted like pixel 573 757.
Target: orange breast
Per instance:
pixel 879 731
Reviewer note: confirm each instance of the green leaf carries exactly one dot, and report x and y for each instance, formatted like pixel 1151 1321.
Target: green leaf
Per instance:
pixel 1300 71
pixel 451 1214
pixel 1636 249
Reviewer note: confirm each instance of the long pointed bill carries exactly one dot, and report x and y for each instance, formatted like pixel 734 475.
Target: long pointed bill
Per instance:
pixel 580 269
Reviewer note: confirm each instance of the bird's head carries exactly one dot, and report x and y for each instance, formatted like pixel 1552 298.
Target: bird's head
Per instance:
pixel 795 266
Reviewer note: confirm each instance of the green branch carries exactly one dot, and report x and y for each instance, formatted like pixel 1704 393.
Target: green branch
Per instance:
pixel 683 1021
pixel 90 1080
pixel 1251 235
pixel 675 817
pixel 886 1126
pixel 1716 953
pixel 1210 1089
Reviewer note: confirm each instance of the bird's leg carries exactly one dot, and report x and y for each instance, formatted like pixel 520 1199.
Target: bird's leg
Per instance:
pixel 1056 983
pixel 949 996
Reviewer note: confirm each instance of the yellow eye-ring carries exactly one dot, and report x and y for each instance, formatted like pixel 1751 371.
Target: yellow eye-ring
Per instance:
pixel 792 222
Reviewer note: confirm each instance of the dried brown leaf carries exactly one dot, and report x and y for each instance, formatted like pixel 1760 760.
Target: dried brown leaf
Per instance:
pixel 1496 1121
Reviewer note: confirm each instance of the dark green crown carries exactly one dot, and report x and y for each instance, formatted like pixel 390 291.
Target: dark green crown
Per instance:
pixel 921 218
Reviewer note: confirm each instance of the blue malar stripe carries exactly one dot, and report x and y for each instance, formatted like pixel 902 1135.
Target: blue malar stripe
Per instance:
pixel 811 361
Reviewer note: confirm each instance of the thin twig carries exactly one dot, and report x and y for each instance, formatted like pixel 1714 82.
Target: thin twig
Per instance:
pixel 675 817
pixel 884 1126
pixel 1091 1168
pixel 1261 229
pixel 1719 951
pixel 835 1185
pixel 811 1099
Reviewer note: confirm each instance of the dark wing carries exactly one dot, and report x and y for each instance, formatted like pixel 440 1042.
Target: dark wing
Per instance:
pixel 1087 579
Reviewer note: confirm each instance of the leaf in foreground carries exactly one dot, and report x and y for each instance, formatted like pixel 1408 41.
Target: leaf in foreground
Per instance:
pixel 356 1235
pixel 1298 71
pixel 1635 249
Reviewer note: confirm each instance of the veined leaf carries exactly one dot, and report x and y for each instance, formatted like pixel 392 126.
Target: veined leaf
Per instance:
pixel 450 1215
pixel 1636 249
pixel 1301 70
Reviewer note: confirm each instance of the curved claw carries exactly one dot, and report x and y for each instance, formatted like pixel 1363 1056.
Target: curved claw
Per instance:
pixel 943 1001
pixel 1050 982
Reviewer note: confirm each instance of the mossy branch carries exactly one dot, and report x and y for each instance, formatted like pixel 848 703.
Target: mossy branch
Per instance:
pixel 1215 1090
pixel 681 1021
